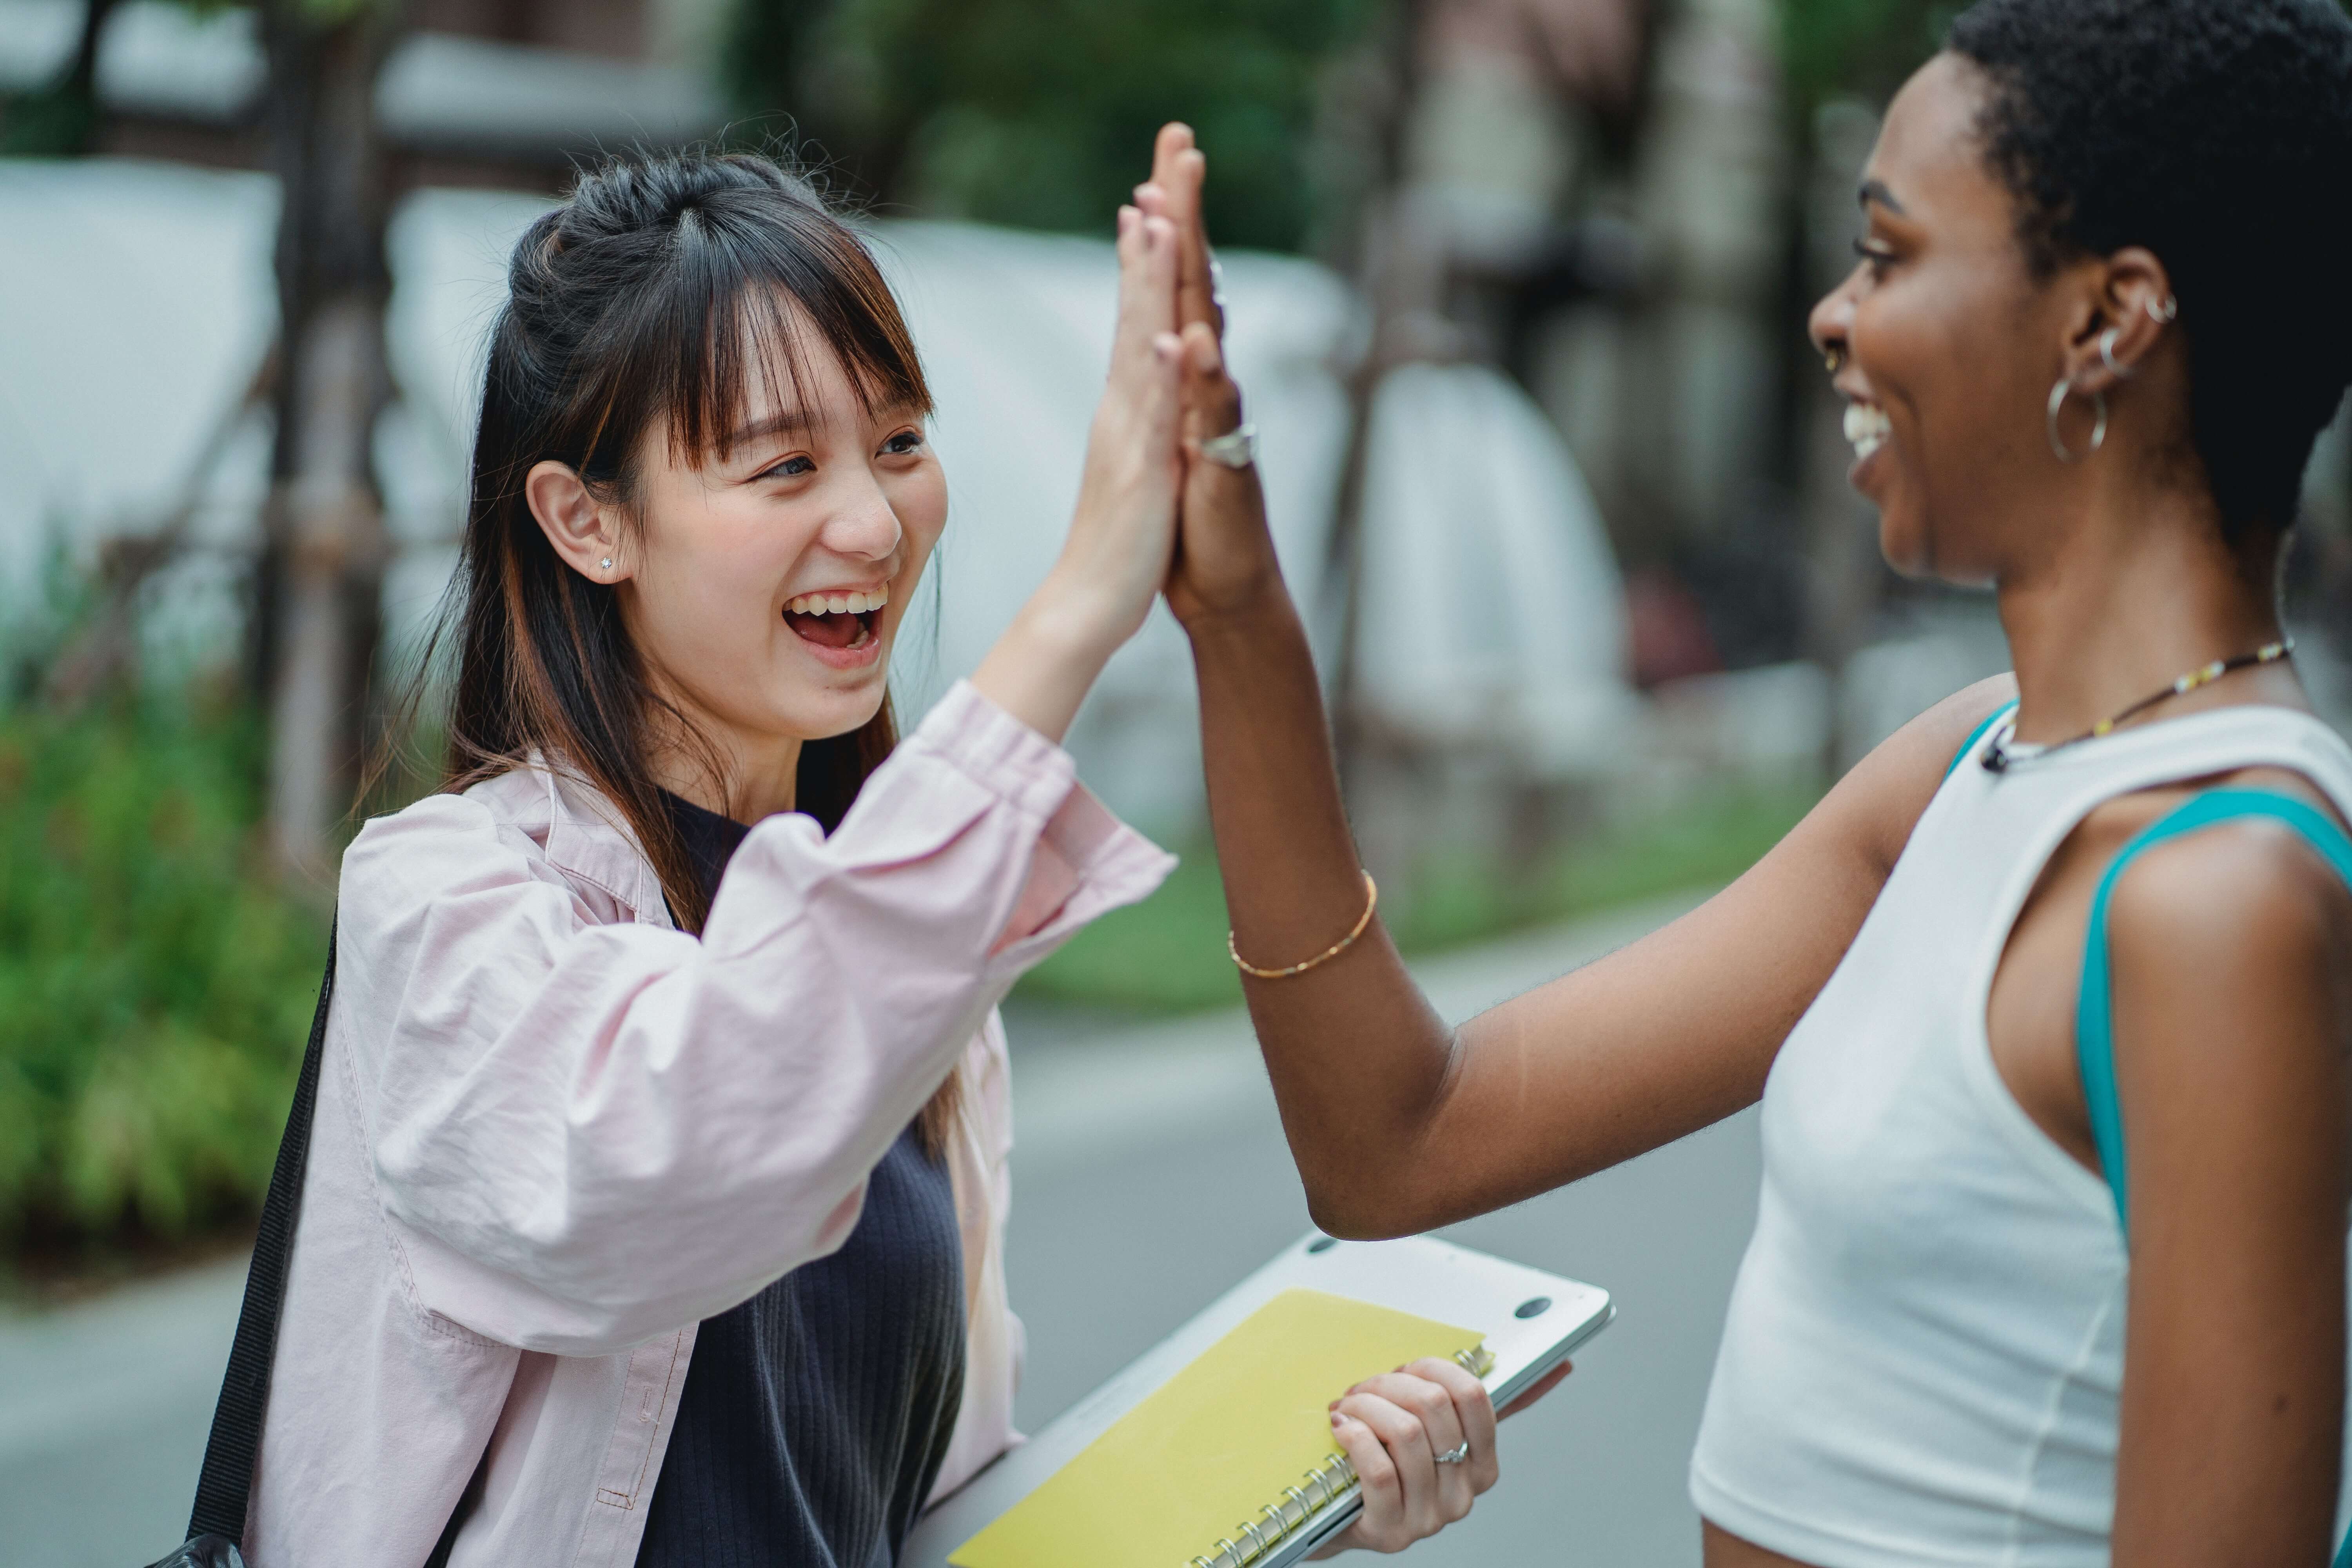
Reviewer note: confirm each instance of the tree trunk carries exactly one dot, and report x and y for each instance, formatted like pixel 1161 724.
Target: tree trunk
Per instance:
pixel 318 582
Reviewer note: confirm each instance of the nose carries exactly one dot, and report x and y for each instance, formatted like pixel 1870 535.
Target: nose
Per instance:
pixel 1831 326
pixel 863 525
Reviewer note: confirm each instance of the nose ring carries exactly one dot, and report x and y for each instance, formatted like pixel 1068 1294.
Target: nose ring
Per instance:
pixel 1834 357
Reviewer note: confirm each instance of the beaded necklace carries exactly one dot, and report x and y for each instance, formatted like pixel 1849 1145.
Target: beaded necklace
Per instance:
pixel 1998 755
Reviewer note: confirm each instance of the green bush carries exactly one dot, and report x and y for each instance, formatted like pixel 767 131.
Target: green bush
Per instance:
pixel 155 990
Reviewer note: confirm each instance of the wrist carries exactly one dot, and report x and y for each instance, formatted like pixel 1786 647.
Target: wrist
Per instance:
pixel 1073 615
pixel 1241 619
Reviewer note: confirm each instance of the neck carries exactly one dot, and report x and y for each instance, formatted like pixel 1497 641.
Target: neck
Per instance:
pixel 721 769
pixel 2142 589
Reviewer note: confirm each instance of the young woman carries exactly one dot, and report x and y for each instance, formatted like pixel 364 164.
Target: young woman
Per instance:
pixel 655 1204
pixel 2097 908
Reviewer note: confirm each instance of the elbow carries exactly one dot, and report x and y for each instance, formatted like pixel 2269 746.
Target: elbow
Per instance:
pixel 1354 1210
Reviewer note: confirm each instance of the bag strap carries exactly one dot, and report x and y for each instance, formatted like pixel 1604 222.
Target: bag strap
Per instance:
pixel 226 1482
pixel 2095 1034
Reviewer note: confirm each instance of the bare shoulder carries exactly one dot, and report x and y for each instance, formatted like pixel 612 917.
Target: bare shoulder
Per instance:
pixel 1882 798
pixel 2245 893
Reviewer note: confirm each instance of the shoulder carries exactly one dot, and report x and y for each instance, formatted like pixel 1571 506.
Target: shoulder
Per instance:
pixel 445 844
pixel 1881 799
pixel 2248 895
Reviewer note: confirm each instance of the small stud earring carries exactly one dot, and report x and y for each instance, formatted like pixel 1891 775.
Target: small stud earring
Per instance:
pixel 606 563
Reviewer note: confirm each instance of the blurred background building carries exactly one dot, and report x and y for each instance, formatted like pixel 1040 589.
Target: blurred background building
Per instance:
pixel 1518 291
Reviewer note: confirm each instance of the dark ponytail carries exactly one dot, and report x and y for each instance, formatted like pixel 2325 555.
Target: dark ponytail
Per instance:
pixel 658 292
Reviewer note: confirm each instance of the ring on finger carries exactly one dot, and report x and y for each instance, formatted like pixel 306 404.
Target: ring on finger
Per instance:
pixel 1237 449
pixel 1455 1455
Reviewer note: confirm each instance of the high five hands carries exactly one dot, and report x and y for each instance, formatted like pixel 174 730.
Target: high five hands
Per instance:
pixel 1224 561
pixel 1421 1437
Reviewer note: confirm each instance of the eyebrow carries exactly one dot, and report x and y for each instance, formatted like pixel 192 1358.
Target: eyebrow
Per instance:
pixel 1877 191
pixel 790 422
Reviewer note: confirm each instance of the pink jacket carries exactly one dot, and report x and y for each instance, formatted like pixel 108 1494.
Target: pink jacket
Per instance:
pixel 553 1133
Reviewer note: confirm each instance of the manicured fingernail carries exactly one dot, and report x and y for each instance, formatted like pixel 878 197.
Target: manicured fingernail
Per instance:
pixel 1338 1419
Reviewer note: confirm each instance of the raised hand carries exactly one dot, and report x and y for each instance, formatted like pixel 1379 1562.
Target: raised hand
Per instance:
pixel 1224 555
pixel 1122 534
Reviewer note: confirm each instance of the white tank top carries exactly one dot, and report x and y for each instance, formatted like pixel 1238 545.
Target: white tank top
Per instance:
pixel 1924 1354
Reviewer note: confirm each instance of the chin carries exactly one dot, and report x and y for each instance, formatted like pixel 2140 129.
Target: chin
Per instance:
pixel 837 713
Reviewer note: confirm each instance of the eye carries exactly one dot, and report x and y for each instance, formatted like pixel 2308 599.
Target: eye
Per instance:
pixel 906 443
pixel 792 468
pixel 1877 258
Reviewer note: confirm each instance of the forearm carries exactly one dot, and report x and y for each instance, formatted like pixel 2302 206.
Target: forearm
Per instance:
pixel 1047 661
pixel 1358 1058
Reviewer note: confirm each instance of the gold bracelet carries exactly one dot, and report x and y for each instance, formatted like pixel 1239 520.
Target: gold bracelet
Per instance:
pixel 1327 955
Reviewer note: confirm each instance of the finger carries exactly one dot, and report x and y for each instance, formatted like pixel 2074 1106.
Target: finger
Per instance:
pixel 1474 1411
pixel 1197 286
pixel 1147 271
pixel 1174 140
pixel 1179 171
pixel 1407 1444
pixel 1132 322
pixel 1430 1403
pixel 1210 394
pixel 1382 1526
pixel 1542 1386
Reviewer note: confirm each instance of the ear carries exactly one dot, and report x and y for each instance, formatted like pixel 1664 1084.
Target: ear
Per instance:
pixel 580 529
pixel 2126 319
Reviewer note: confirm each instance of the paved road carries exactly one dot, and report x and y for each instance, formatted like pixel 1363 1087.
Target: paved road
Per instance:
pixel 1150 1174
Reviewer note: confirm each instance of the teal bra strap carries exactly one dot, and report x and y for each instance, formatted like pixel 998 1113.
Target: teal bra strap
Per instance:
pixel 1978 733
pixel 2094 1043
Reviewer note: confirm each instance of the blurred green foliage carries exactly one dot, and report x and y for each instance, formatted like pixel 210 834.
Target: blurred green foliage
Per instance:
pixel 1862 47
pixel 155 990
pixel 1168 954
pixel 1041 113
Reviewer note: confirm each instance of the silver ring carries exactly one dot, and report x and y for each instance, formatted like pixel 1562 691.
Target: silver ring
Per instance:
pixel 2107 341
pixel 1237 449
pixel 1456 1453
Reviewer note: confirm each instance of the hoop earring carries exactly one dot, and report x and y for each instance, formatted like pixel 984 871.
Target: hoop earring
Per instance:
pixel 2098 431
pixel 2107 341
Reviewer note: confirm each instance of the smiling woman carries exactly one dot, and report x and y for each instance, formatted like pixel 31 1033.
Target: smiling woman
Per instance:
pixel 2047 1002
pixel 662 1216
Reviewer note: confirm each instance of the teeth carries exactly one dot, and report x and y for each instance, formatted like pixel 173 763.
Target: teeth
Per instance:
pixel 1867 428
pixel 838 604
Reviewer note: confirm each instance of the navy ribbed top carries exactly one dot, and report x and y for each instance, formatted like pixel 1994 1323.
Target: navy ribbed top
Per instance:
pixel 816 1416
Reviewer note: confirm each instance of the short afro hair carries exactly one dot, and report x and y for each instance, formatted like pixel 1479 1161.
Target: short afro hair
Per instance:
pixel 2218 133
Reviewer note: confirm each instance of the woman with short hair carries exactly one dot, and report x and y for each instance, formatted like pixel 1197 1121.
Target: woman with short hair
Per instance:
pixel 2095 908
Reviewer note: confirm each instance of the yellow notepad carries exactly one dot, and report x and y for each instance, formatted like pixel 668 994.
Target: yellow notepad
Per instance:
pixel 1213 1445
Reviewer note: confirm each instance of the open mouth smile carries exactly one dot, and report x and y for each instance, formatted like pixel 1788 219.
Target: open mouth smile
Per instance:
pixel 1868 428
pixel 842 628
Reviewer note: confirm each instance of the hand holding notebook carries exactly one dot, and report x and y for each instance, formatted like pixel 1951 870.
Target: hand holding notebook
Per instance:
pixel 1216 1449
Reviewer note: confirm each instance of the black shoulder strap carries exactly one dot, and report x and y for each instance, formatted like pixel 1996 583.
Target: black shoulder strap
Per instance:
pixel 227 1477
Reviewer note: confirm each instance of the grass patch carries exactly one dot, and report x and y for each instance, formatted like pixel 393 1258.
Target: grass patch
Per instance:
pixel 155 988
pixel 1167 954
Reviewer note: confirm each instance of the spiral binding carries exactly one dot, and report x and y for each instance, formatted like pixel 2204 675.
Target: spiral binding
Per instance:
pixel 1333 1481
